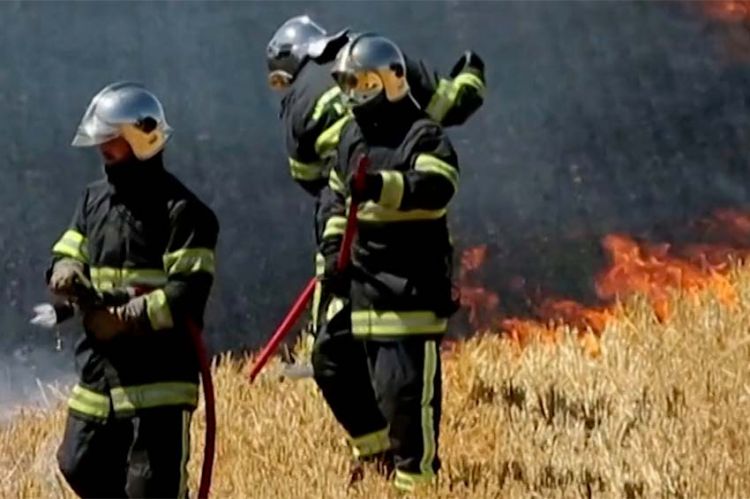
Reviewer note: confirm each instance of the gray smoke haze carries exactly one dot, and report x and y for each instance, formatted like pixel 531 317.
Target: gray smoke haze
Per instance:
pixel 600 117
pixel 35 376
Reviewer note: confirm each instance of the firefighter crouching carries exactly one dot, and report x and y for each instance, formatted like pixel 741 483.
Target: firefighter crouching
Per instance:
pixel 300 56
pixel 397 296
pixel 141 238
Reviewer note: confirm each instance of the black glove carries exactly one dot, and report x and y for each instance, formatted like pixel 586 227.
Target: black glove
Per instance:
pixel 468 62
pixel 373 186
pixel 334 281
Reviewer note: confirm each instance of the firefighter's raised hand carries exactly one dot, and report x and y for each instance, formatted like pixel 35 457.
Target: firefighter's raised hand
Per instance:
pixel 369 191
pixel 66 273
pixel 468 62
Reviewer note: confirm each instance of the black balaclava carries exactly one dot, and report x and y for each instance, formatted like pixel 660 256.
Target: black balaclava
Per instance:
pixel 134 177
pixel 383 119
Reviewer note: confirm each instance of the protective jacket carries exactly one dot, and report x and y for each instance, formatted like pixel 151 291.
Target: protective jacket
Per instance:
pixel 313 112
pixel 402 255
pixel 142 228
pixel 313 107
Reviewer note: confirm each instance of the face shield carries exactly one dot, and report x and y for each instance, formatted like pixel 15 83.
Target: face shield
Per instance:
pixel 358 87
pixel 93 130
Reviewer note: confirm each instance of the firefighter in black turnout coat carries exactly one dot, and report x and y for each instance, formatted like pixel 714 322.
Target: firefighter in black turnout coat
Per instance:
pixel 397 295
pixel 138 260
pixel 300 56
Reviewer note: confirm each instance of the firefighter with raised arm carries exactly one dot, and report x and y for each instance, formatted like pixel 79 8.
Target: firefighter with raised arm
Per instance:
pixel 300 55
pixel 397 296
pixel 143 244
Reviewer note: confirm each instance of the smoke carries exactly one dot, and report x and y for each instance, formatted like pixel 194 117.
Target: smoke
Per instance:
pixel 33 377
pixel 600 117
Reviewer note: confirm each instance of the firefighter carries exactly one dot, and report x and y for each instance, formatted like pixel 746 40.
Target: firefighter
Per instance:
pixel 299 57
pixel 398 290
pixel 145 241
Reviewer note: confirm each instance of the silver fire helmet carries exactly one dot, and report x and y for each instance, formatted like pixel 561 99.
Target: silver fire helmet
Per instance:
pixel 289 47
pixel 128 110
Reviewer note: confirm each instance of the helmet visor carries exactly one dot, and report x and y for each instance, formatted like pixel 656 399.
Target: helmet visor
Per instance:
pixel 358 87
pixel 92 131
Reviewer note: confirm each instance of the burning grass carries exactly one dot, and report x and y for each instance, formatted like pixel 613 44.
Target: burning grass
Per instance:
pixel 652 269
pixel 661 410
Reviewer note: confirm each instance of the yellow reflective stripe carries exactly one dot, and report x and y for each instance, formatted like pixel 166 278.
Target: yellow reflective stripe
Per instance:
pixel 336 306
pixel 320 264
pixel 371 443
pixel 408 482
pixel 72 244
pixel 469 80
pixel 185 454
pixel 131 398
pixel 428 392
pixel 315 310
pixel 89 402
pixel 441 100
pixel 335 226
pixel 393 189
pixel 158 310
pixel 104 278
pixel 74 236
pixel 331 99
pixel 190 260
pixel 432 164
pixel 305 171
pixel 445 95
pixel 329 139
pixel 335 182
pixel 373 212
pixel 394 323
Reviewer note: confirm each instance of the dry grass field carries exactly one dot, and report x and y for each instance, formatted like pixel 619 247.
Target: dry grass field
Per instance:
pixel 654 408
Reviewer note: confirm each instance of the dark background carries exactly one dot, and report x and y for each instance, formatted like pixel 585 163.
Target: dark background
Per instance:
pixel 600 117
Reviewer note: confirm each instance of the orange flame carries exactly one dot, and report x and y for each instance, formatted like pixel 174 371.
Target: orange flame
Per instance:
pixel 654 270
pixel 734 15
pixel 651 269
pixel 728 10
pixel 481 303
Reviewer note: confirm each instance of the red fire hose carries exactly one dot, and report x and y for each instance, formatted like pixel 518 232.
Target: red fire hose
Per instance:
pixel 209 441
pixel 209 437
pixel 304 297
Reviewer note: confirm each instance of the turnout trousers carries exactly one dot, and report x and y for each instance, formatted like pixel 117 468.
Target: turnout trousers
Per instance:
pixel 387 394
pixel 406 375
pixel 141 456
pixel 341 372
pixel 321 299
